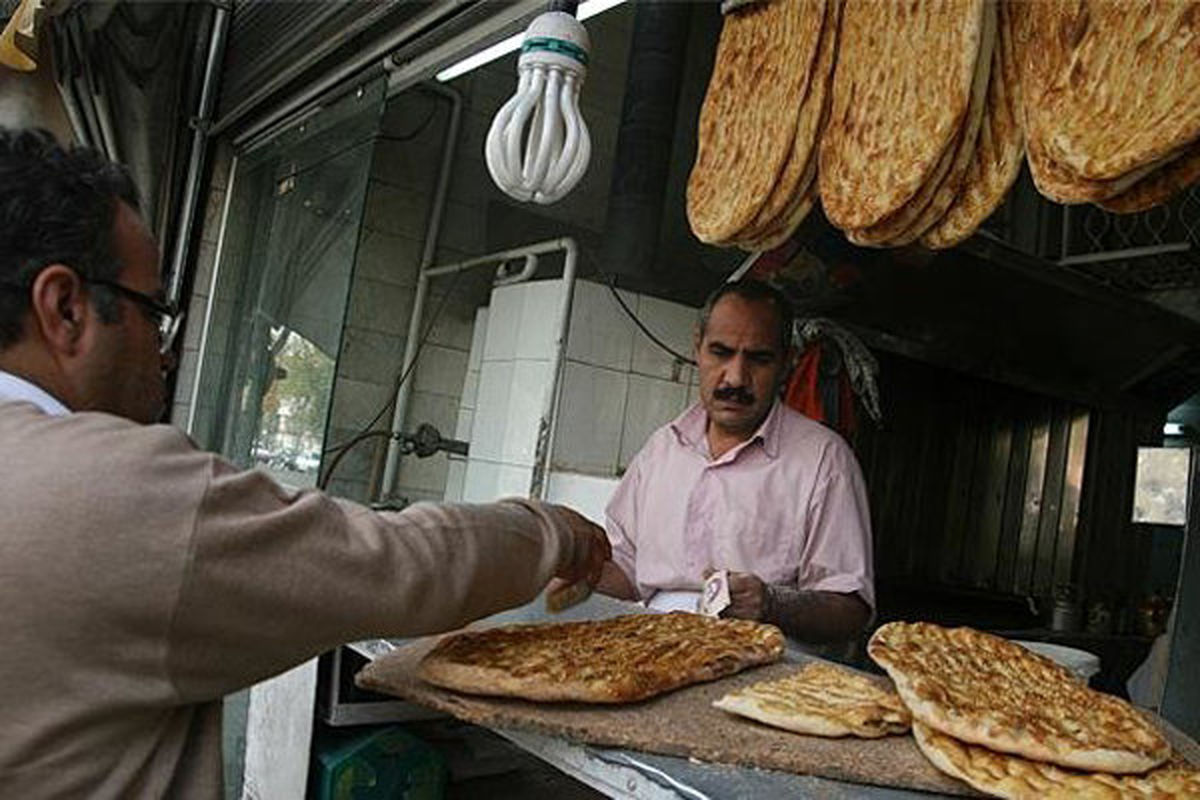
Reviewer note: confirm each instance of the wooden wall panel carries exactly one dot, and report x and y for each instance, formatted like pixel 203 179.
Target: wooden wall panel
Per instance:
pixel 984 487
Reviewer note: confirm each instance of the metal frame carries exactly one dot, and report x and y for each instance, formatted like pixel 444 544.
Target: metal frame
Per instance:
pixel 529 253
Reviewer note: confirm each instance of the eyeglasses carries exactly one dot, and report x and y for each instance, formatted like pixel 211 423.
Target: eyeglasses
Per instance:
pixel 166 315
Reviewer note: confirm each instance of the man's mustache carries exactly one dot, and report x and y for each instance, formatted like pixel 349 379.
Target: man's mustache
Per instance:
pixel 735 394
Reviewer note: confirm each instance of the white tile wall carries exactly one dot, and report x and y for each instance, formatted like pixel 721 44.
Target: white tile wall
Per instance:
pixel 537 331
pixel 504 316
pixel 456 478
pixel 441 369
pixel 651 403
pixel 589 424
pixel 526 404
pixel 464 423
pixel 601 334
pixel 488 480
pixel 478 336
pixel 587 494
pixel 673 324
pixel 491 413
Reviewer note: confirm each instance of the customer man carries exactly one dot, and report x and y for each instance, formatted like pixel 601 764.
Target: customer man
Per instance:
pixel 142 579
pixel 742 483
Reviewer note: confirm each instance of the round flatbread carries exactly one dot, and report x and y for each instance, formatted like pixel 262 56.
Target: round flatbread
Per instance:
pixel 1016 778
pixel 989 691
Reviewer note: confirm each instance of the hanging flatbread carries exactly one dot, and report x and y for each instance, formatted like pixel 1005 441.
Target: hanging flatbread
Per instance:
pixel 790 199
pixel 1121 87
pixel 935 197
pixel 1004 775
pixel 989 691
pixel 1039 62
pixel 822 700
pixel 1159 186
pixel 996 161
pixel 901 89
pixel 748 121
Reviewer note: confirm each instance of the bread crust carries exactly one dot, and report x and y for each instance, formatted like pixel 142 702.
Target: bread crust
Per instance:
pixel 822 700
pixel 748 120
pixel 989 691
pixel 1016 778
pixel 893 118
pixel 618 660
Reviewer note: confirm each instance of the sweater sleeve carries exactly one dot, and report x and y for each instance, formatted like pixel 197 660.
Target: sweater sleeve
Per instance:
pixel 275 577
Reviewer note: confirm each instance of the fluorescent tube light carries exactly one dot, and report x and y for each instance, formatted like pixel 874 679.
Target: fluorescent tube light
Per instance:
pixel 1173 429
pixel 587 10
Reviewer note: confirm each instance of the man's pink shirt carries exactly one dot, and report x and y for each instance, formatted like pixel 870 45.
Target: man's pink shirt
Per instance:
pixel 788 505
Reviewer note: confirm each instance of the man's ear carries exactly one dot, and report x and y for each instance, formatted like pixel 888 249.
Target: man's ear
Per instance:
pixel 59 307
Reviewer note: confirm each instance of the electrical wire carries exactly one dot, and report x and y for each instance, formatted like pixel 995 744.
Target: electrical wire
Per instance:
pixel 612 287
pixel 366 431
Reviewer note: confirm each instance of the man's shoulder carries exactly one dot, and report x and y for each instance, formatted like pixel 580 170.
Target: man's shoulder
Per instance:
pixel 793 425
pixel 76 436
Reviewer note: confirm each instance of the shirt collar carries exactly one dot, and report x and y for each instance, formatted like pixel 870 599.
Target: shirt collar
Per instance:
pixel 691 426
pixel 14 389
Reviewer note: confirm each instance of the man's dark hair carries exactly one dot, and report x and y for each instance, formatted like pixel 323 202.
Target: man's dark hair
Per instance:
pixel 754 291
pixel 57 206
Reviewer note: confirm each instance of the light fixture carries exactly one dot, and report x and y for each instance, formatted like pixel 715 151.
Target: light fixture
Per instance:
pixel 587 10
pixel 1173 429
pixel 538 146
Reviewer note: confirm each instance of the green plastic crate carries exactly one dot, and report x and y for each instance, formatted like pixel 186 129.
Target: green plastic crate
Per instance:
pixel 376 764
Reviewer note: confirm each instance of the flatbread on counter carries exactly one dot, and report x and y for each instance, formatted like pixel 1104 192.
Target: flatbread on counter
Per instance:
pixel 986 690
pixel 618 660
pixel 1016 778
pixel 822 699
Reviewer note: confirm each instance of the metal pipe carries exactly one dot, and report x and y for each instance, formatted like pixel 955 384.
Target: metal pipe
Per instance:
pixel 334 78
pixel 1121 255
pixel 428 254
pixel 539 483
pixel 410 347
pixel 212 296
pixel 198 155
pixel 531 265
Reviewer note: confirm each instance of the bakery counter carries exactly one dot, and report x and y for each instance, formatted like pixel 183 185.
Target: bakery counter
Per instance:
pixel 627 773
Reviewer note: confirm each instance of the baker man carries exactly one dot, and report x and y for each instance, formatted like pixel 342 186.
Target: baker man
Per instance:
pixel 142 579
pixel 742 483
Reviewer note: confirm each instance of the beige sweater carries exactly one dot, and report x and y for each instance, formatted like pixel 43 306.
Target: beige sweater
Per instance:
pixel 142 579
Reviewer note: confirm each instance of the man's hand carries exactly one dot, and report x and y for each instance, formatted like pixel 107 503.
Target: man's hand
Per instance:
pixel 747 597
pixel 591 549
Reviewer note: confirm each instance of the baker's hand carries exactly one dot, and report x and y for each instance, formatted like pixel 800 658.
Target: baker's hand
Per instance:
pixel 590 552
pixel 747 597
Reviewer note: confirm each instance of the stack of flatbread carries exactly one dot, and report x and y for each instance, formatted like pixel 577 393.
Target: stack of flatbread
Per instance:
pixel 909 94
pixel 755 173
pixel 1111 99
pixel 1014 724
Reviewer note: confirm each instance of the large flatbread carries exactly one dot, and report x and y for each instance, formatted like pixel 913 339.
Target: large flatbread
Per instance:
pixel 748 121
pixel 781 214
pixel 1004 775
pixel 1159 186
pixel 1120 87
pixel 996 161
pixel 822 700
pixel 931 202
pixel 900 94
pixel 1039 61
pixel 989 691
pixel 618 660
